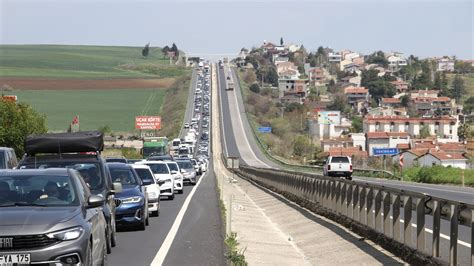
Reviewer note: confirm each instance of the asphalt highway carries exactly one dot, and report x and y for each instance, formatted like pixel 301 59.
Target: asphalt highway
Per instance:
pixel 240 141
pixel 189 230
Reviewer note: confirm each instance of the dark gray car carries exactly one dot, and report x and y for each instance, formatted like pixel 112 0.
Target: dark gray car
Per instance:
pixel 49 216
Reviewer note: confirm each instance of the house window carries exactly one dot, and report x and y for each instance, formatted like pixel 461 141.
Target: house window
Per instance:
pixel 377 126
pixel 392 126
pixel 434 163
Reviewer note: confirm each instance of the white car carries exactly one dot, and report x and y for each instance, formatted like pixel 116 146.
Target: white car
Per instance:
pixel 153 190
pixel 178 177
pixel 186 125
pixel 162 174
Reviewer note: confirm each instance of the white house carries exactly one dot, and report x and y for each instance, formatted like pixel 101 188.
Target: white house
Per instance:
pixel 358 140
pixel 443 158
pixel 445 64
pixel 385 140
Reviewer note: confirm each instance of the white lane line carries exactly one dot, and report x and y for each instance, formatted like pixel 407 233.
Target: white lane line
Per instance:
pixel 165 247
pixel 221 116
pixel 243 128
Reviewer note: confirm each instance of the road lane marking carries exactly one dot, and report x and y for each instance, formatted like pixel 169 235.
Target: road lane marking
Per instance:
pixel 219 91
pixel 243 129
pixel 165 247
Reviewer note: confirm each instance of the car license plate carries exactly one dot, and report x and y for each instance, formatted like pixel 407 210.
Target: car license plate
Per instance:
pixel 10 259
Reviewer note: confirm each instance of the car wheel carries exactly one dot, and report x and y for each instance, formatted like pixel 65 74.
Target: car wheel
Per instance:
pixel 147 220
pixel 171 197
pixel 89 261
pixel 142 225
pixel 109 239
pixel 349 177
pixel 104 256
pixel 113 239
pixel 155 213
pixel 180 191
pixel 193 183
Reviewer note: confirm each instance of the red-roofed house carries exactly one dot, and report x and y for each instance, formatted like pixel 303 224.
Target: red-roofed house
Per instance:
pixel 410 157
pixel 400 86
pixel 443 158
pixel 356 96
pixel 390 102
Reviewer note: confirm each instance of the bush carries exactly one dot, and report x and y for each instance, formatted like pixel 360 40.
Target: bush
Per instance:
pixel 438 174
pixel 255 88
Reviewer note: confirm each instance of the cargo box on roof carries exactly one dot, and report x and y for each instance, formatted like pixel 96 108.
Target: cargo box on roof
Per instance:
pixel 86 141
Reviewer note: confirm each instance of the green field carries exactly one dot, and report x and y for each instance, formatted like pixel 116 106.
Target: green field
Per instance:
pixel 91 62
pixel 96 108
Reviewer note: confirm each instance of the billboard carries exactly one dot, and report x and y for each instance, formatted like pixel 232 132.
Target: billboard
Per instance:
pixel 329 117
pixel 148 122
pixel 9 98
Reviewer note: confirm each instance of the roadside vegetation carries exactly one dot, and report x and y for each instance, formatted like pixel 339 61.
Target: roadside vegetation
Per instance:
pixel 235 255
pixel 439 175
pixel 289 139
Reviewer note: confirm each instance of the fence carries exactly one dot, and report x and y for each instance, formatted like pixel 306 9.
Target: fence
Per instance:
pixel 374 211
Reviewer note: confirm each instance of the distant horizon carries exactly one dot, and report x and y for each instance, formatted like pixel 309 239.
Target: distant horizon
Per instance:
pixel 423 28
pixel 212 54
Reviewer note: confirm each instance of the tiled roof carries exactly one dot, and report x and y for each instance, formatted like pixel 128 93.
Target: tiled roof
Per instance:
pixel 391 100
pixel 355 90
pixel 403 146
pixel 443 156
pixel 403 119
pixel 385 135
pixel 349 151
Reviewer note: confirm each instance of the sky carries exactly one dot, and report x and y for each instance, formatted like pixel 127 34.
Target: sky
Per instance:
pixel 423 28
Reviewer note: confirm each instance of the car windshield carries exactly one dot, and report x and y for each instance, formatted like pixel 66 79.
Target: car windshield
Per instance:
pixel 116 160
pixel 159 168
pixel 176 143
pixel 123 176
pixel 173 167
pixel 37 190
pixel 144 174
pixel 185 164
pixel 183 151
pixel 90 172
pixel 2 160
pixel 340 160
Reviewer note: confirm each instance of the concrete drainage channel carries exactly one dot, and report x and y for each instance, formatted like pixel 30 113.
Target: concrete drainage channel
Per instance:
pixel 372 212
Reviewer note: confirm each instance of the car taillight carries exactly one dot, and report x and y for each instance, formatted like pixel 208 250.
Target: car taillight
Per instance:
pixel 350 167
pixel 329 167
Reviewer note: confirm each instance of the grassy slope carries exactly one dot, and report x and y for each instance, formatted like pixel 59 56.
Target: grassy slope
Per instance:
pixel 96 108
pixel 95 62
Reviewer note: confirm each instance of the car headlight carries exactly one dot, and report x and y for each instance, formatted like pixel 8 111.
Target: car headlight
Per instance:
pixel 131 200
pixel 68 234
pixel 152 195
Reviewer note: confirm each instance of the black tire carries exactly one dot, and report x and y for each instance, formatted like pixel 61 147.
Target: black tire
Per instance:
pixel 113 239
pixel 155 213
pixel 171 197
pixel 104 256
pixel 142 225
pixel 193 183
pixel 89 260
pixel 349 177
pixel 180 191
pixel 147 220
pixel 109 239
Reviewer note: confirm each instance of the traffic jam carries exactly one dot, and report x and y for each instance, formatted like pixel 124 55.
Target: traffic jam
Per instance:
pixel 65 203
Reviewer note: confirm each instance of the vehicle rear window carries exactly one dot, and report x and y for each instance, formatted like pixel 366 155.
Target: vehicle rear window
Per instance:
pixel 340 160
pixel 144 174
pixel 185 164
pixel 173 166
pixel 123 175
pixel 159 168
pixel 90 172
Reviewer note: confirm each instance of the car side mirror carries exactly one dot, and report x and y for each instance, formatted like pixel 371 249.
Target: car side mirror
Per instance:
pixel 174 172
pixel 117 187
pixel 147 182
pixel 95 201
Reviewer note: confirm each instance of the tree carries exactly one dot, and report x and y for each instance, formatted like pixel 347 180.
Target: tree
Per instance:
pixel 377 58
pixel 146 50
pixel 368 76
pixel 405 100
pixel 165 50
pixel 105 129
pixel 380 89
pixel 463 132
pixel 281 41
pixel 469 105
pixel 250 77
pixel 339 103
pixel 301 146
pixel 255 88
pixel 424 132
pixel 18 121
pixel 356 124
pixel 458 87
pixel 175 49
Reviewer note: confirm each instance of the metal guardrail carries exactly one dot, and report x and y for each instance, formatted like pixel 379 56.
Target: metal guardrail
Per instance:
pixel 374 208
pixel 293 166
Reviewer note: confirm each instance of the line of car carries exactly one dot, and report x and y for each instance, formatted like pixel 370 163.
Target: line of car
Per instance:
pixel 63 202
